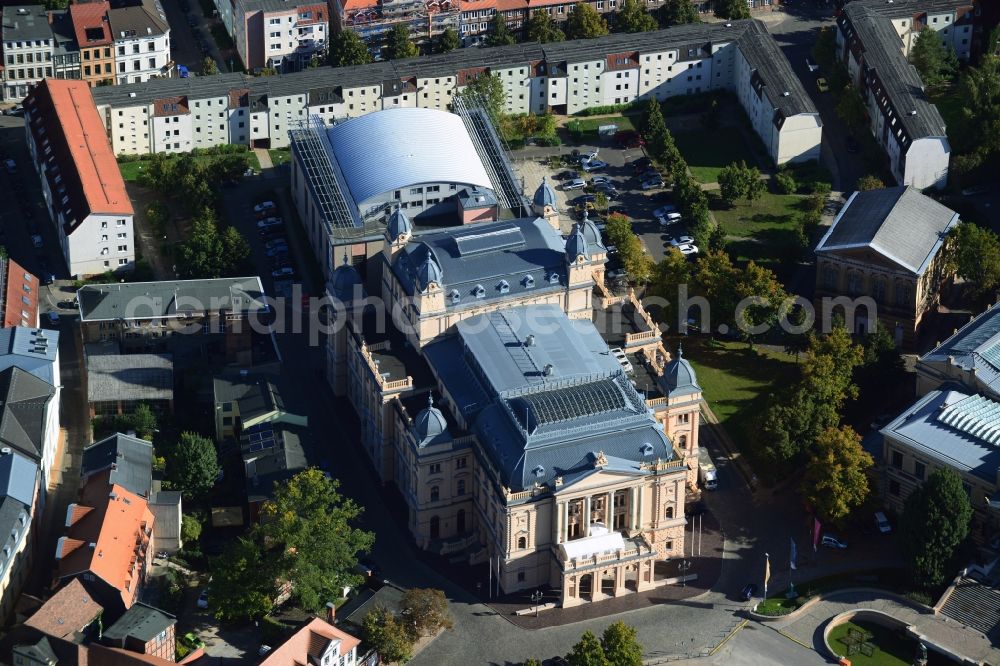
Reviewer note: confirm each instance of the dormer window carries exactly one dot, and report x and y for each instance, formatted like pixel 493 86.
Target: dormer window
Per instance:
pixel 539 471
pixel 479 291
pixel 504 286
pixel 454 296
pixel 646 449
pixel 528 281
pixel 554 278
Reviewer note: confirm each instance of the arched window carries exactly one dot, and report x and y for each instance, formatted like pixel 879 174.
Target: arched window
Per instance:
pixel 435 527
pixel 854 282
pixel 435 493
pixel 830 276
pixel 878 289
pixel 669 513
pixel 522 542
pixel 683 441
pixel 460 490
pixel 903 293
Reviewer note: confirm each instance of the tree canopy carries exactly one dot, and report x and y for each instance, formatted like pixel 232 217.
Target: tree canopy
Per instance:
pixel 739 181
pixel 621 645
pixel 974 254
pixel 398 44
pixel 499 34
pixel 448 41
pixel 583 22
pixel 488 90
pixel 209 253
pixel 541 28
pixel 869 182
pixel 851 109
pixel 382 630
pixel 347 48
pixel 836 480
pixel 587 652
pixel 673 271
pixel 935 520
pixel 732 9
pixel 192 464
pixel 935 60
pixel 305 540
pixel 636 263
pixel 633 17
pixel 678 12
pixel 426 612
pixel 208 66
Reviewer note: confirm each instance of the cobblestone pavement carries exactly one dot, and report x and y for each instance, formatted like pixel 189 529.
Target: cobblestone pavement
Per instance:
pixel 939 630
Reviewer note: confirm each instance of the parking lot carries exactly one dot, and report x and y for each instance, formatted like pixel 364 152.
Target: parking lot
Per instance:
pixel 637 203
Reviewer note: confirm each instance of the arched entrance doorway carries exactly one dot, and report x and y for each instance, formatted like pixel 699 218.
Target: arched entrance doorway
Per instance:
pixel 435 527
pixel 460 521
pixel 587 587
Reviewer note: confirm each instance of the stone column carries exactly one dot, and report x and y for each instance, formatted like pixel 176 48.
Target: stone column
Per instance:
pixel 638 507
pixel 557 523
pixel 609 508
pixel 586 516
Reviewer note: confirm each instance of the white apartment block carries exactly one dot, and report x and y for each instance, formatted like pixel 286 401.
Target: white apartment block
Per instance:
pixel 81 183
pixel 873 40
pixel 565 78
pixel 27 49
pixel 142 43
pixel 276 34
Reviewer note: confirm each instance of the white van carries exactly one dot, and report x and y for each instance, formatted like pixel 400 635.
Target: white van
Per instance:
pixel 882 523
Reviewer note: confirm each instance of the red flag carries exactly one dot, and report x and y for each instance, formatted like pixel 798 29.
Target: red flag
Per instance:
pixel 816 531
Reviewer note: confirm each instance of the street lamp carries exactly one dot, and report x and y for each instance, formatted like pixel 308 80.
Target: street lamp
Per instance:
pixel 536 596
pixel 682 567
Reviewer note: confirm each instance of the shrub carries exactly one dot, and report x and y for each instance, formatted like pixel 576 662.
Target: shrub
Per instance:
pixel 548 141
pixel 603 110
pixel 785 183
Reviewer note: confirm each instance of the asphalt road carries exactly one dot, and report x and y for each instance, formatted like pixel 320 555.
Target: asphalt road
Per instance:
pixel 184 45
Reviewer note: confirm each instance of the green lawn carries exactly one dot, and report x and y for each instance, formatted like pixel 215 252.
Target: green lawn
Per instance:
pixel 891 648
pixel 132 170
pixel 708 151
pixel 765 231
pixel 738 381
pixel 280 155
pixel 591 125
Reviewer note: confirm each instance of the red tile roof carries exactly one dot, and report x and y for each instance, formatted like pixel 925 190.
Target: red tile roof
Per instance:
pixel 19 293
pixel 63 113
pixel 114 539
pixel 67 612
pixel 91 24
pixel 309 641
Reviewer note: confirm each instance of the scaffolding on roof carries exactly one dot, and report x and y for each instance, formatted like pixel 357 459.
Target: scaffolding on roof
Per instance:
pixel 471 109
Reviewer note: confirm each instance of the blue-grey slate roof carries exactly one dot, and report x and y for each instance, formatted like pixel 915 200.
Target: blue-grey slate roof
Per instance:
pixel 954 428
pixel 24 399
pixel 543 395
pixel 130 460
pixel 18 477
pixel 140 622
pixel 900 223
pixel 975 346
pixel 520 256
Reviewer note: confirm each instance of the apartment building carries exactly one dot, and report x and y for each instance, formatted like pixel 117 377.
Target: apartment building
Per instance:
pixel 19 481
pixel 142 42
pixel 18 295
pixel 277 34
pixel 477 16
pixel 81 183
pixel 27 49
pixel 873 42
pixel 92 28
pixel 372 20
pixel 566 78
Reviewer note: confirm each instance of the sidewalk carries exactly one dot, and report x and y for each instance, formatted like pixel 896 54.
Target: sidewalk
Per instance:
pixel 808 628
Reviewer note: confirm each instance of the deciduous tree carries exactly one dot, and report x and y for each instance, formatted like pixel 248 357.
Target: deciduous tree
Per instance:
pixel 824 51
pixel 733 182
pixel 190 529
pixel 732 9
pixel 192 464
pixel 425 612
pixel 143 421
pixel 588 652
pixel 935 520
pixel 935 60
pixel 384 632
pixel 347 48
pixel 499 34
pixel 398 44
pixel 851 109
pixel 869 182
pixel 633 17
pixel 974 254
pixel 673 271
pixel 636 263
pixel 243 582
pixel 583 22
pixel 621 645
pixel 677 12
pixel 208 66
pixel 541 28
pixel 835 480
pixel 487 90
pixel 762 299
pixel 448 41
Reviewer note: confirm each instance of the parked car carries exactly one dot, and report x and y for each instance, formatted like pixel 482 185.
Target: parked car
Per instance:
pixel 830 541
pixel 269 222
pixel 811 64
pixel 275 241
pixel 10 165
pixel 649 174
pixel 822 85
pixel 882 523
pixel 598 180
pixel 679 240
pixel 567 175
pixel 627 139
pixel 53 317
pixel 203 599
pixel 36 240
pixel 594 165
pixel 852 144
pixel 264 206
pixel 688 250
pixel 584 198
pixel 276 250
pixel 668 219
pixel 575 184
pixel 652 184
pixel 975 190
pixel 641 164
pixel 285 272
pixel 16 110
pixel 748 592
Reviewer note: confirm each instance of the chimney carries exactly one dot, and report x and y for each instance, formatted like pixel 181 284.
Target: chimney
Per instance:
pixel 331 611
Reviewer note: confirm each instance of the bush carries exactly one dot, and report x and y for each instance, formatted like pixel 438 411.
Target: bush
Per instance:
pixel 603 110
pixel 273 631
pixel 785 183
pixel 548 141
pixel 122 159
